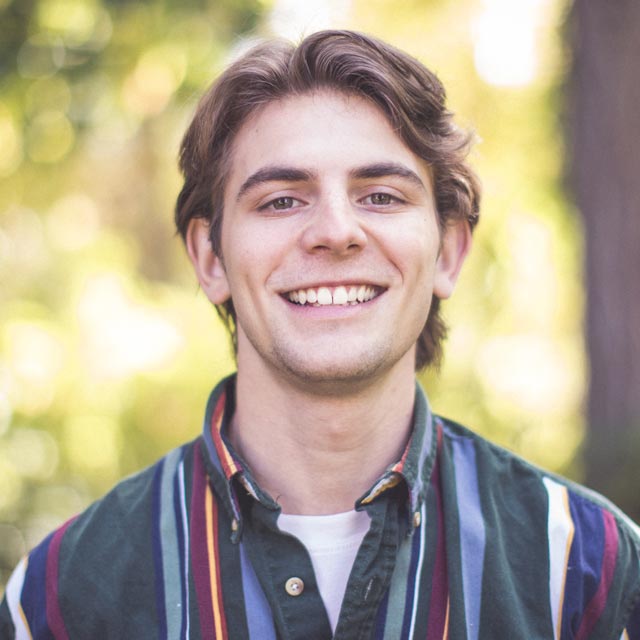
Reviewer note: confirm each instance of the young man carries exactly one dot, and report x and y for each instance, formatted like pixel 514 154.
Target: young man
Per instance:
pixel 327 209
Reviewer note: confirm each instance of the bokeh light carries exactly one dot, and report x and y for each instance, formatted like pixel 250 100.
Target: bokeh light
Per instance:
pixel 506 43
pixel 108 350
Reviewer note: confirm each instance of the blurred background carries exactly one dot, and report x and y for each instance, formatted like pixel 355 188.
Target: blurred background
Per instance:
pixel 107 348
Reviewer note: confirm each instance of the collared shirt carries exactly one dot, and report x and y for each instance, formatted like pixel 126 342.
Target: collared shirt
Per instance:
pixel 467 541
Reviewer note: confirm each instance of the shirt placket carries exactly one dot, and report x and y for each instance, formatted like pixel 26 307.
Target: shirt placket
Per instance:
pixel 371 574
pixel 284 570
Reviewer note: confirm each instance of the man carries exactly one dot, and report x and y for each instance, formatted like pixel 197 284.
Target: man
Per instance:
pixel 327 209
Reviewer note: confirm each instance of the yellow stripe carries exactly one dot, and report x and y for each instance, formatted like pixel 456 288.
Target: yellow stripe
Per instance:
pixel 213 575
pixel 565 500
pixel 625 635
pixel 445 635
pixel 227 456
pixel 230 461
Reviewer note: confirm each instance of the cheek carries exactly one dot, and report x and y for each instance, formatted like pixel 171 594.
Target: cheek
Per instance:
pixel 251 254
pixel 413 251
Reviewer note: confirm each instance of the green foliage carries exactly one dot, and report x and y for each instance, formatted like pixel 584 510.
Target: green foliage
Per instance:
pixel 514 365
pixel 108 351
pixel 99 313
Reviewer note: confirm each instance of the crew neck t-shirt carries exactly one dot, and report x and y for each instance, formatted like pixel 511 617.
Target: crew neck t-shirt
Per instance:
pixel 332 542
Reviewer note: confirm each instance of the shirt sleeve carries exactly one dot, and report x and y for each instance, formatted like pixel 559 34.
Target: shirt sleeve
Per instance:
pixel 7 629
pixel 632 630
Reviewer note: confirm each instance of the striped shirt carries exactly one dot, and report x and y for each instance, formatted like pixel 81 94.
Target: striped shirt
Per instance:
pixel 466 541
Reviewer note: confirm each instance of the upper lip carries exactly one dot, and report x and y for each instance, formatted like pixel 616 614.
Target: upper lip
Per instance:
pixel 332 284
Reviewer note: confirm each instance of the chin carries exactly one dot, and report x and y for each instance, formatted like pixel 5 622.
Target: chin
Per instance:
pixel 333 374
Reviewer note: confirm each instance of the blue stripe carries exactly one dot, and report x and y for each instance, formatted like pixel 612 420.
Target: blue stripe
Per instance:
pixel 34 595
pixel 585 562
pixel 257 609
pixel 472 530
pixel 157 551
pixel 381 618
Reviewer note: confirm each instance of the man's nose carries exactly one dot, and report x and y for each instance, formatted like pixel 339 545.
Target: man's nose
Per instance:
pixel 335 226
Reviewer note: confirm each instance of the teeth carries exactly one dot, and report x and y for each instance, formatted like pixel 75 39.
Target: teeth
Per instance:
pixel 324 296
pixel 341 295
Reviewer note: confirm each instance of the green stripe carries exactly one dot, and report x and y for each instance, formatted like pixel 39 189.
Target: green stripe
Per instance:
pixel 516 563
pixel 398 592
pixel 106 565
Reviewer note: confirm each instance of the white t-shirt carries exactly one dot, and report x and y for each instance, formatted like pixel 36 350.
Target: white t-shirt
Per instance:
pixel 332 542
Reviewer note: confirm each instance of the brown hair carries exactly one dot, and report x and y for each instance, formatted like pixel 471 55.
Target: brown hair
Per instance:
pixel 407 93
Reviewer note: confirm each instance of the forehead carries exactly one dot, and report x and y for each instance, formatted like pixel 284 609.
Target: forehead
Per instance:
pixel 324 130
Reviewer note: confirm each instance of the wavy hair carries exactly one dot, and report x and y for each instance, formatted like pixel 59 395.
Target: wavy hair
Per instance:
pixel 409 95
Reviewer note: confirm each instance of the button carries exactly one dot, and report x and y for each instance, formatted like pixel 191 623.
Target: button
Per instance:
pixel 417 519
pixel 234 525
pixel 294 586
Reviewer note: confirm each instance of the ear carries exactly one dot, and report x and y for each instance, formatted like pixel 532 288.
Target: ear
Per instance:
pixel 207 265
pixel 455 245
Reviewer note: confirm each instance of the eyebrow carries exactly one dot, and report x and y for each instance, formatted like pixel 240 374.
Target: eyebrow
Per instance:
pixel 292 174
pixel 273 174
pixel 387 169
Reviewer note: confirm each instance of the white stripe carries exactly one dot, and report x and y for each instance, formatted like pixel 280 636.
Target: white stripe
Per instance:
pixel 13 593
pixel 560 532
pixel 416 586
pixel 185 530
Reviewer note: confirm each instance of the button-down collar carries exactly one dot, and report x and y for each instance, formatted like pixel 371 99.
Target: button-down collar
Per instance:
pixel 226 468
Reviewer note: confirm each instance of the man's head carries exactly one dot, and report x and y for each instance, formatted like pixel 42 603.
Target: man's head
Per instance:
pixel 409 97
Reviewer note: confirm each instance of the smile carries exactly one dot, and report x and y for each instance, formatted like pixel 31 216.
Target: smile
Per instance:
pixel 341 295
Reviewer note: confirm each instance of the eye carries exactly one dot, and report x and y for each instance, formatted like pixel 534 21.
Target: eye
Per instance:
pixel 281 203
pixel 381 199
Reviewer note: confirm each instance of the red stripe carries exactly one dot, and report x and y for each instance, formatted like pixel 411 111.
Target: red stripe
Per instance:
pixel 55 621
pixel 440 579
pixel 399 466
pixel 221 449
pixel 198 543
pixel 597 604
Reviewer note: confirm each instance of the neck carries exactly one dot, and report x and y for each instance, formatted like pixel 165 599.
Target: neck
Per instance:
pixel 317 453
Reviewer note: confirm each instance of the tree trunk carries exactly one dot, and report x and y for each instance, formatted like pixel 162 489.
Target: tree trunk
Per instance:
pixel 604 134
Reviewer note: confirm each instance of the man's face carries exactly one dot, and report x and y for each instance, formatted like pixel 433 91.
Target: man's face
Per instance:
pixel 330 242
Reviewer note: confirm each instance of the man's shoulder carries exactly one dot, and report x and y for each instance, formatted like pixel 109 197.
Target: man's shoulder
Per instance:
pixel 104 556
pixel 505 473
pixel 128 504
pixel 539 528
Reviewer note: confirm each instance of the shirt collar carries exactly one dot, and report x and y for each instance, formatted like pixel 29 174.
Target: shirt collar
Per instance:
pixel 416 462
pixel 224 464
